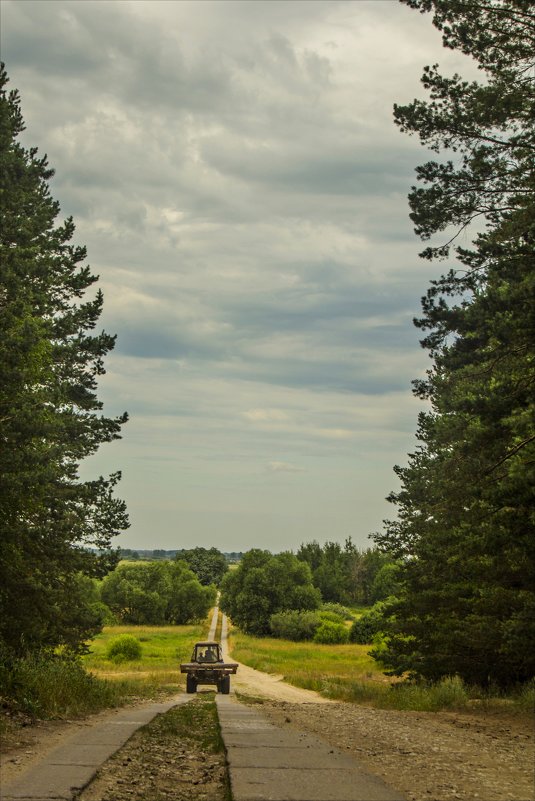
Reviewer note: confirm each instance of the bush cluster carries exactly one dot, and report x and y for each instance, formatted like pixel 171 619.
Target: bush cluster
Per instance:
pixel 329 633
pixel 48 685
pixel 323 626
pixel 332 617
pixel 156 593
pixel 342 611
pixel 368 625
pixel 125 648
pixel 294 625
pixel 264 585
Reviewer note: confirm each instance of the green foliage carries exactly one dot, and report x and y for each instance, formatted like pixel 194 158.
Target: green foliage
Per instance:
pixel 50 416
pixel 448 693
pixel 264 584
pixel 89 589
pixel 330 633
pixel 333 617
pixel 329 565
pixel 125 648
pixel 487 127
pixel 298 625
pixel 386 582
pixel 369 624
pixel 342 611
pixel 156 593
pixel 465 508
pixel 525 697
pixel 345 575
pixel 50 685
pixel 294 625
pixel 209 565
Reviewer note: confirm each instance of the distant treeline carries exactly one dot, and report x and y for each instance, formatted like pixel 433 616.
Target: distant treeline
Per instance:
pixel 142 554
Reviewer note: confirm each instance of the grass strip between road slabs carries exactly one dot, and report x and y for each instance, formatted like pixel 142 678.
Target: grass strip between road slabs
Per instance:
pixel 179 756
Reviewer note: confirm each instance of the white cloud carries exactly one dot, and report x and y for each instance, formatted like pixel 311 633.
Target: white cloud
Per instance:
pixel 265 415
pixel 284 467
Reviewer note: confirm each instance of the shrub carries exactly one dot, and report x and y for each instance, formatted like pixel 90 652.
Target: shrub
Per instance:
pixel 342 611
pixel 450 693
pixel 363 630
pixel 331 633
pixel 294 625
pixel 525 696
pixel 368 625
pixel 332 617
pixel 386 582
pixel 380 642
pixel 49 685
pixel 105 613
pixel 124 649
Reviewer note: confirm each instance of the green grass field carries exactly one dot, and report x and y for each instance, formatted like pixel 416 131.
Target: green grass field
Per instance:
pixel 163 649
pixel 331 670
pixel 347 673
pixel 59 687
pixel 47 688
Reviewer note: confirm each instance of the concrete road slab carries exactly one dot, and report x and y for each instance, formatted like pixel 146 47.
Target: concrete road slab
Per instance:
pixel 267 739
pixel 69 767
pixel 300 758
pixel 83 755
pixel 51 781
pixel 267 763
pixel 288 784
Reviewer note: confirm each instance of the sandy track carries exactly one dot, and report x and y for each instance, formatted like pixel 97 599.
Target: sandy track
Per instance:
pixel 252 682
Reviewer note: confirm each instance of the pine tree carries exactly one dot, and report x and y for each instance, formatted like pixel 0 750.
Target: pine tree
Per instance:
pixel 465 511
pixel 50 419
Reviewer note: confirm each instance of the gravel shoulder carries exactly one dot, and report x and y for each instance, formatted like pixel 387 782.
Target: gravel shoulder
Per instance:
pixel 438 756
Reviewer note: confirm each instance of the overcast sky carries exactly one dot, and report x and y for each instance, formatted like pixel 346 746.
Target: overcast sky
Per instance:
pixel 235 173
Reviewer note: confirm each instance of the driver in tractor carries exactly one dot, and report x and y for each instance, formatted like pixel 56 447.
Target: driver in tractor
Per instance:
pixel 210 654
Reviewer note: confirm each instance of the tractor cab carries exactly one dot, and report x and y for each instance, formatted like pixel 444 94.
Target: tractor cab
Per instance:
pixel 207 653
